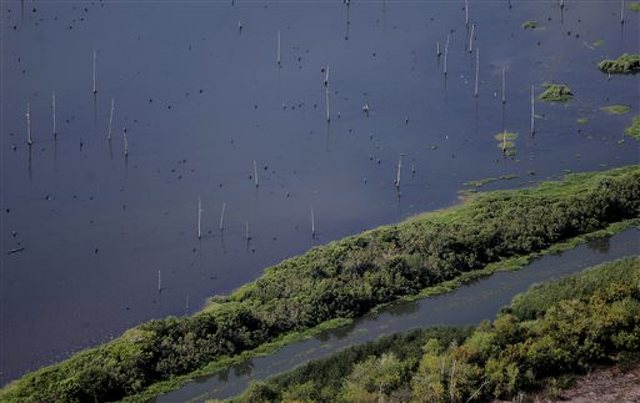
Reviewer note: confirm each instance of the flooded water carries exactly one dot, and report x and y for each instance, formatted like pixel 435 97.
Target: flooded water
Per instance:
pixel 466 306
pixel 202 98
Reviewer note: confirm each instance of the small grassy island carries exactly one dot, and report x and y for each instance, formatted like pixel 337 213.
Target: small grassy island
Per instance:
pixel 507 142
pixel 625 64
pixel 616 109
pixel 537 344
pixel 345 279
pixel 555 93
pixel 529 25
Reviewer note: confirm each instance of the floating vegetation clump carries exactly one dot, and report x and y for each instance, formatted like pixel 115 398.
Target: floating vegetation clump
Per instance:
pixel 529 25
pixel 634 6
pixel 598 43
pixel 634 129
pixel 556 93
pixel 582 121
pixel 625 64
pixel 615 109
pixel 506 142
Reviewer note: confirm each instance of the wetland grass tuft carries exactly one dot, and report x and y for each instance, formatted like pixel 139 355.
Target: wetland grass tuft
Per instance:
pixel 555 93
pixel 625 64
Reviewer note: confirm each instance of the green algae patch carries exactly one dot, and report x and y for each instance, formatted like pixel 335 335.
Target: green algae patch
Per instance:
pixel 625 64
pixel 530 25
pixel 582 121
pixel 616 109
pixel 506 142
pixel 634 129
pixel 634 6
pixel 598 43
pixel 555 93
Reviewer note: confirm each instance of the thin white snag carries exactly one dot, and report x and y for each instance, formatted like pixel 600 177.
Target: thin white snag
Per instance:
pixel 533 109
pixel 399 171
pixel 53 113
pixel 126 143
pixel 278 53
pixel 466 12
pixel 446 53
pixel 438 52
pixel 199 218
pixel 224 207
pixel 159 281
pixel 255 174
pixel 313 224
pixel 95 89
pixel 111 118
pixel 622 12
pixel 504 96
pixel 504 142
pixel 28 115
pixel 326 95
pixel 473 29
pixel 326 76
pixel 475 92
pixel 246 231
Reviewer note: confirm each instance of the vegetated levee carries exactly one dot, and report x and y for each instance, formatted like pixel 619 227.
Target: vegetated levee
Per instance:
pixel 544 338
pixel 625 64
pixel 343 279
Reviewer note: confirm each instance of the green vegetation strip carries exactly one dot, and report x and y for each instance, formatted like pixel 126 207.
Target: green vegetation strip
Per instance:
pixel 340 281
pixel 555 93
pixel 634 129
pixel 625 64
pixel 541 340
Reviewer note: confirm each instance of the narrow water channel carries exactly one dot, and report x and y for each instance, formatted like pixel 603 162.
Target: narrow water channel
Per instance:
pixel 465 306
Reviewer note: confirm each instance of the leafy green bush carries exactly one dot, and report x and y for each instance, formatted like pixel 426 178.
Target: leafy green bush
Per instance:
pixel 546 334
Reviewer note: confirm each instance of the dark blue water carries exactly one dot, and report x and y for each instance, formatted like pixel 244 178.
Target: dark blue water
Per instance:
pixel 201 101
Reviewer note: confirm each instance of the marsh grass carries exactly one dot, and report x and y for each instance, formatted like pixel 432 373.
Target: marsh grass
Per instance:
pixel 555 93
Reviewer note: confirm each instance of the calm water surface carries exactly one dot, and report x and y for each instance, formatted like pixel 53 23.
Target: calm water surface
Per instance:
pixel 202 99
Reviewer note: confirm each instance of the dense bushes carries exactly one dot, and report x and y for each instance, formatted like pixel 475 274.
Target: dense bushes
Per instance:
pixel 345 278
pixel 625 64
pixel 319 380
pixel 564 327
